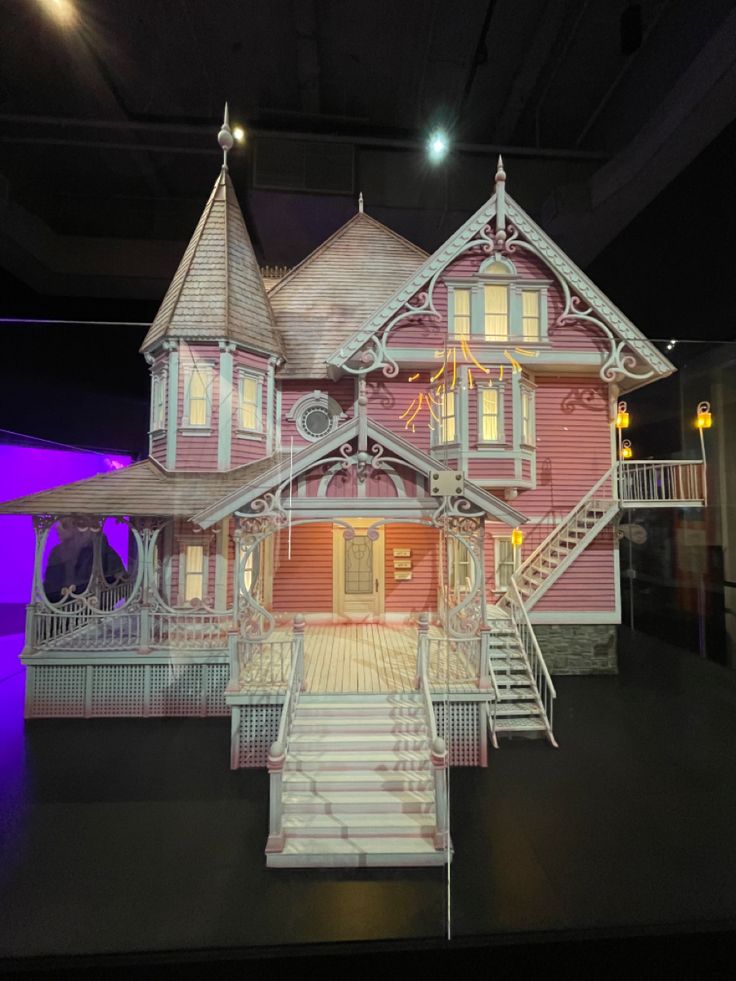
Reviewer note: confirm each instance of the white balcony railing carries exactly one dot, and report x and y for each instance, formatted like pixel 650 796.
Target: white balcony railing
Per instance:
pixel 661 483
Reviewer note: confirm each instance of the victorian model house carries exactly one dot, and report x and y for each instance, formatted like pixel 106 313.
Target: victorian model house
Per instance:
pixel 378 514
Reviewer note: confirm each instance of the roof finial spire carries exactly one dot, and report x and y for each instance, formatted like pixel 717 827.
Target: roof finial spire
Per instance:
pixel 500 203
pixel 360 203
pixel 225 137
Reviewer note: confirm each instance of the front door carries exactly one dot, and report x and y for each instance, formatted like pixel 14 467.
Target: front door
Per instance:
pixel 357 572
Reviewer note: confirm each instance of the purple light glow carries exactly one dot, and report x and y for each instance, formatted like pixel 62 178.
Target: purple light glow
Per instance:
pixel 25 470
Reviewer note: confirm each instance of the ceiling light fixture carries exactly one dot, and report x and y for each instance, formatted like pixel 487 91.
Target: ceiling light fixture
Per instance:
pixel 62 11
pixel 437 146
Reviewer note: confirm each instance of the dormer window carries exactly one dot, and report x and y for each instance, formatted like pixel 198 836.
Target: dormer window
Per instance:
pixel 461 313
pixel 496 313
pixel 530 321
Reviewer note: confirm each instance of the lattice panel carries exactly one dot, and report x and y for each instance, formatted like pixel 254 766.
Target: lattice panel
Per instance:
pixel 259 726
pixel 117 689
pixel 176 689
pixel 464 735
pixel 216 680
pixel 56 691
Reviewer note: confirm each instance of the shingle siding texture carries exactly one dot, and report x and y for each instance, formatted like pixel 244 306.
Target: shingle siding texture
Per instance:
pixel 217 291
pixel 328 296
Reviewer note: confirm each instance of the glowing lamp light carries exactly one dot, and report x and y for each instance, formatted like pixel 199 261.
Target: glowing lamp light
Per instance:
pixel 437 146
pixel 622 416
pixel 626 450
pixel 704 419
pixel 239 133
pixel 517 537
pixel 63 11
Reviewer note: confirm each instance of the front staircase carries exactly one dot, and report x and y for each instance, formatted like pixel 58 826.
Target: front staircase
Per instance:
pixel 357 787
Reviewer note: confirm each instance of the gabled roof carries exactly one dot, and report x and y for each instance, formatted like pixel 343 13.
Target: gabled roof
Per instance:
pixel 310 456
pixel 620 325
pixel 330 294
pixel 141 489
pixel 217 292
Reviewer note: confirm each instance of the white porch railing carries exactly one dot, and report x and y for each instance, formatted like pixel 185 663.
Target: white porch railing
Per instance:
pixel 453 661
pixel 193 631
pixel 79 630
pixel 546 693
pixel 660 483
pixel 439 755
pixel 277 752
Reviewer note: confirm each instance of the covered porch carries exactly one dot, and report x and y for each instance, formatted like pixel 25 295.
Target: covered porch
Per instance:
pixel 358 658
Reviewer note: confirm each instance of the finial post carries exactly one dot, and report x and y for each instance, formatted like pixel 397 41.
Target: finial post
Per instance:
pixel 360 203
pixel 225 137
pixel 500 181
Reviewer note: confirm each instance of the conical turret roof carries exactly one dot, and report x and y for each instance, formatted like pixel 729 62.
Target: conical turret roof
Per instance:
pixel 217 292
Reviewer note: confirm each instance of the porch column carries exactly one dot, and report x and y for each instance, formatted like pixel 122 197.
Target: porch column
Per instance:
pixel 484 669
pixel 439 768
pixel 422 648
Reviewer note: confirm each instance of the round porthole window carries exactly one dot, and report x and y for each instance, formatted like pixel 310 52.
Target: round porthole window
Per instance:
pixel 316 421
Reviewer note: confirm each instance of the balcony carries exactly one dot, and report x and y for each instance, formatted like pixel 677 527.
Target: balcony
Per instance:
pixel 661 483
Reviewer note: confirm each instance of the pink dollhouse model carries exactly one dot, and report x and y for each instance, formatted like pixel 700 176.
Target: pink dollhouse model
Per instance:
pixel 378 513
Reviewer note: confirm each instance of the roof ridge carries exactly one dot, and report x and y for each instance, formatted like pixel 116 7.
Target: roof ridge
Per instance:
pixel 337 234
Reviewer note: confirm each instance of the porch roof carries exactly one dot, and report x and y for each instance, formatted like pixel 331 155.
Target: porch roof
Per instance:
pixel 141 489
pixel 240 497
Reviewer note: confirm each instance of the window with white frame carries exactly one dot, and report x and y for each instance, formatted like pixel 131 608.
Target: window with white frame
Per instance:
pixel 490 414
pixel 530 316
pixel 198 400
pixel 527 416
pixel 504 555
pixel 251 403
pixel 496 312
pixel 461 313
pixel 193 573
pixel 460 571
pixel 445 429
pixel 158 401
pixel 250 562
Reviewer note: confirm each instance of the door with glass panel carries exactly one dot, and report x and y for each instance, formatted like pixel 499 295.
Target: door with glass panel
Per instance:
pixel 358 571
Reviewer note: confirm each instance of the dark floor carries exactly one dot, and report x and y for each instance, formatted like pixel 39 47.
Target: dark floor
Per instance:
pixel 122 836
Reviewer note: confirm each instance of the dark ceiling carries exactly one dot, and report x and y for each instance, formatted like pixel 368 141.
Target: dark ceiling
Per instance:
pixel 615 120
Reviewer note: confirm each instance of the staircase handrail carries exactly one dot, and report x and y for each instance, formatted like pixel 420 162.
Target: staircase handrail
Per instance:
pixel 557 529
pixel 278 749
pixel 438 747
pixel 517 602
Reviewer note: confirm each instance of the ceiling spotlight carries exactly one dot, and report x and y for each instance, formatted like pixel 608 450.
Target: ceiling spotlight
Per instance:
pixel 63 11
pixel 239 133
pixel 437 146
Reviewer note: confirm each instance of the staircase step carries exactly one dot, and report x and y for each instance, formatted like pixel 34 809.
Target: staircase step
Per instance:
pixel 507 709
pixel 359 802
pixel 378 723
pixel 324 781
pixel 526 724
pixel 356 852
pixel 358 744
pixel 370 760
pixel 386 824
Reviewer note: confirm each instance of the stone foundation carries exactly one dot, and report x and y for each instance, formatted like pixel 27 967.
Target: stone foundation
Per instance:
pixel 582 648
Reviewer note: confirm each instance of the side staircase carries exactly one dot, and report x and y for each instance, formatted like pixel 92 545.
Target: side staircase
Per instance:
pixel 525 692
pixel 357 785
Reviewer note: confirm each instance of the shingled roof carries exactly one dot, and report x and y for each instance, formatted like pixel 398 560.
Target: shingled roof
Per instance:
pixel 331 293
pixel 217 292
pixel 142 489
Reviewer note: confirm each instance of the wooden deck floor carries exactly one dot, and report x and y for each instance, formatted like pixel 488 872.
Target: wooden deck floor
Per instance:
pixel 350 658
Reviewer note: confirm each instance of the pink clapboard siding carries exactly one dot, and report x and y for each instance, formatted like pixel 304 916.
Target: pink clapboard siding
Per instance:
pixel 250 447
pixel 198 451
pixel 303 584
pixel 589 584
pixel 389 398
pixel 573 429
pixel 419 593
pixel 158 449
pixel 342 391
